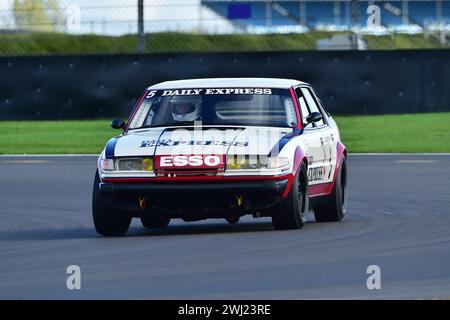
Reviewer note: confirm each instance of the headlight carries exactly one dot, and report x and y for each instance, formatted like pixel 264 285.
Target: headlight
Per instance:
pixel 107 164
pixel 256 162
pixel 135 164
pixel 147 164
pixel 278 163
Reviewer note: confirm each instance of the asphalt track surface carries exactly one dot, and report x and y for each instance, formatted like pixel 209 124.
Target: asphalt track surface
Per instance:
pixel 398 218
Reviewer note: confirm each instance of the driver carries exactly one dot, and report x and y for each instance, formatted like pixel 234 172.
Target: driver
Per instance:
pixel 185 108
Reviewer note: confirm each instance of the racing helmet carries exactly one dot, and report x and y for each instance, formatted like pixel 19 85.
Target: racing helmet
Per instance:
pixel 185 108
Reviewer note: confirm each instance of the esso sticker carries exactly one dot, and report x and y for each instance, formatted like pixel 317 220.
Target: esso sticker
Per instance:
pixel 189 162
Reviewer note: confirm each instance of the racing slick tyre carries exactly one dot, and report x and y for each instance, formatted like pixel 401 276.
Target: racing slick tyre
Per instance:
pixel 155 221
pixel 334 208
pixel 291 213
pixel 107 220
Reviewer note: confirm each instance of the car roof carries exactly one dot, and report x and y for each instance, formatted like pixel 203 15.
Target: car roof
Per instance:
pixel 227 82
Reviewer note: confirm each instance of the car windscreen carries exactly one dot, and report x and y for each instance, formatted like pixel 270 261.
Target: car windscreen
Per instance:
pixel 221 106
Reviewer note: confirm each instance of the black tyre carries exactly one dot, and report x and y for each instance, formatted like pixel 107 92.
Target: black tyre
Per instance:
pixel 334 208
pixel 291 213
pixel 107 220
pixel 155 221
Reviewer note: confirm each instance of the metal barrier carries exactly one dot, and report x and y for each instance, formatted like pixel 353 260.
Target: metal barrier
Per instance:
pixel 106 86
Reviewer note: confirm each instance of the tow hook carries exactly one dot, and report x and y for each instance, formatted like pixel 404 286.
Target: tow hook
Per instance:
pixel 232 219
pixel 142 203
pixel 240 200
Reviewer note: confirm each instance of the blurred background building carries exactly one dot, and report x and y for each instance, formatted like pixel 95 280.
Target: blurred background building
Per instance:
pixel 147 26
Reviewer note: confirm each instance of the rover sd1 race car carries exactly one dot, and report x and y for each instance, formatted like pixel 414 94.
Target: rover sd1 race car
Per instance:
pixel 222 148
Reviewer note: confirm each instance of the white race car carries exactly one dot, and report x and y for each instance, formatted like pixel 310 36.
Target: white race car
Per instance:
pixel 222 148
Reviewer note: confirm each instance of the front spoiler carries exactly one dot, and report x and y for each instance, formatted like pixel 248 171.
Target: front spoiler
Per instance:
pixel 183 199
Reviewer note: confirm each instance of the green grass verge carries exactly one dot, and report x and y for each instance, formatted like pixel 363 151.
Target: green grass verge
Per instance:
pixel 170 42
pixel 173 42
pixel 34 137
pixel 428 132
pixel 389 133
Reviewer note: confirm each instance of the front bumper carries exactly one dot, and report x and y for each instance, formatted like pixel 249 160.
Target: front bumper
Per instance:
pixel 190 198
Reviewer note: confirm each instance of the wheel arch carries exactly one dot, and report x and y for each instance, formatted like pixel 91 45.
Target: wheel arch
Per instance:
pixel 340 152
pixel 299 158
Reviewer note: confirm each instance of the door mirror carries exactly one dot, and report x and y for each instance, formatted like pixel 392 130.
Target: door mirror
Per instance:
pixel 118 124
pixel 314 117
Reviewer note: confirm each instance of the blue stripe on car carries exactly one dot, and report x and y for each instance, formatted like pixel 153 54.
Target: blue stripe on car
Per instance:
pixel 110 146
pixel 283 141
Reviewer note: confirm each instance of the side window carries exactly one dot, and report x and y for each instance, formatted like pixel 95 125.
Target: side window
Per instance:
pixel 321 105
pixel 303 107
pixel 312 104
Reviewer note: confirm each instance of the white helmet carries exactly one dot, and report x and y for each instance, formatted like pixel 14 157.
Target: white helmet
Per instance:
pixel 185 108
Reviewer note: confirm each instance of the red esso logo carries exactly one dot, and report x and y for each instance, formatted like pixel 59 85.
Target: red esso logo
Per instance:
pixel 190 161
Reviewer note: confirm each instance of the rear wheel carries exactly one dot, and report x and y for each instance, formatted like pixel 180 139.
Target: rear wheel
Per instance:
pixel 107 220
pixel 155 221
pixel 291 213
pixel 334 208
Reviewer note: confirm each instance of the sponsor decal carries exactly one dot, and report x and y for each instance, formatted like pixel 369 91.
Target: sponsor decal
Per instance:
pixel 172 143
pixel 189 161
pixel 184 92
pixel 208 91
pixel 316 174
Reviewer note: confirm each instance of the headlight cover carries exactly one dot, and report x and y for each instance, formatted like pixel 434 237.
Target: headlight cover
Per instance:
pixel 242 162
pixel 134 164
pixel 278 163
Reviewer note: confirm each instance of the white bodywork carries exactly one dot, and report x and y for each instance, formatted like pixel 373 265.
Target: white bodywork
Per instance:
pixel 318 144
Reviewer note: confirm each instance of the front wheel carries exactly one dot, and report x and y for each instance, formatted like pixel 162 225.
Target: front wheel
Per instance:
pixel 291 213
pixel 107 220
pixel 334 208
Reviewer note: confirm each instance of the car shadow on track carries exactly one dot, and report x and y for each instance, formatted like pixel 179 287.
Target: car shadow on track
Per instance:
pixel 138 231
pixel 135 231
pixel 198 229
pixel 48 234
